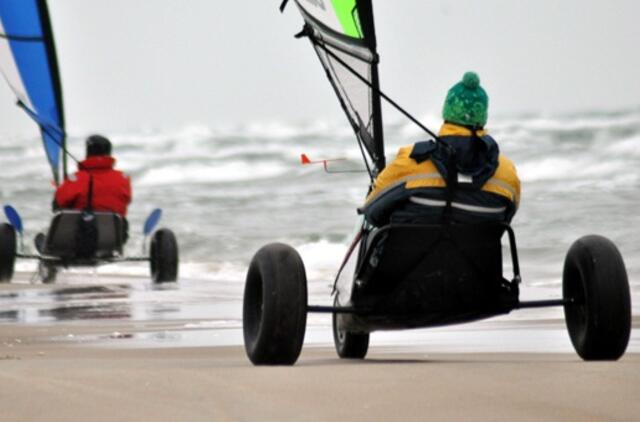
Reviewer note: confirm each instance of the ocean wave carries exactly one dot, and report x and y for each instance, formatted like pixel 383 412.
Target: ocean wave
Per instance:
pixel 571 122
pixel 628 147
pixel 236 171
pixel 322 260
pixel 228 189
pixel 584 168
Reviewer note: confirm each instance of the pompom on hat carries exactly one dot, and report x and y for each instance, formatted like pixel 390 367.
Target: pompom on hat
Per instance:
pixel 467 103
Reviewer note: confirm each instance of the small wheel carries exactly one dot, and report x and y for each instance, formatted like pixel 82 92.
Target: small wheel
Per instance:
pixel 599 316
pixel 164 256
pixel 349 345
pixel 7 252
pixel 274 314
pixel 47 272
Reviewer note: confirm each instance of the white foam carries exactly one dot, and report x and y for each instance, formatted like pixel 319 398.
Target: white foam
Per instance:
pixel 214 173
pixel 585 168
pixel 322 259
pixel 214 271
pixel 629 147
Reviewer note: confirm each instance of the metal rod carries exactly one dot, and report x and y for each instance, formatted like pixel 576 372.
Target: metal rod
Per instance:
pixel 514 254
pixel 333 309
pixel 104 261
pixel 543 303
pixel 28 256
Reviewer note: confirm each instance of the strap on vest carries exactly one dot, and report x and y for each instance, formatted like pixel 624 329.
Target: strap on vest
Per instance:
pixel 89 206
pixel 451 182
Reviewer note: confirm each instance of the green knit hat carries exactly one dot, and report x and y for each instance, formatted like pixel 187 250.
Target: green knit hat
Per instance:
pixel 466 103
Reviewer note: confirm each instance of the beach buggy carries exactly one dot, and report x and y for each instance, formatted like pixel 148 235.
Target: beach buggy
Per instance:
pixel 75 237
pixel 413 275
pixel 87 239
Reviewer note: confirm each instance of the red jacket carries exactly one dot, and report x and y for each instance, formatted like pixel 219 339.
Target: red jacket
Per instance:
pixel 111 188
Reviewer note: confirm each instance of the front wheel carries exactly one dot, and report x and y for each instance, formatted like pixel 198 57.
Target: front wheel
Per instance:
pixel 348 345
pixel 274 314
pixel 164 256
pixel 598 315
pixel 7 252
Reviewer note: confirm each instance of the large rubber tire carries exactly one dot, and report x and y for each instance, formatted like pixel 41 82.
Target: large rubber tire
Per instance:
pixel 164 256
pixel 595 279
pixel 274 314
pixel 349 345
pixel 7 252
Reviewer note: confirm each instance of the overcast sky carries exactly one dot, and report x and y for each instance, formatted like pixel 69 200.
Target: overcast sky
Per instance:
pixel 130 65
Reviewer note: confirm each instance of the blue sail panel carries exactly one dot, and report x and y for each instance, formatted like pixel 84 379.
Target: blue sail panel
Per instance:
pixel 29 64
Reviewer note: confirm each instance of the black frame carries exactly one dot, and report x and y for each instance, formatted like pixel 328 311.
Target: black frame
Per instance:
pixel 515 281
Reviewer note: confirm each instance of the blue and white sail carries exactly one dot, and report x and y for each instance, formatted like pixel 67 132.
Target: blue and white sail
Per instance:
pixel 29 64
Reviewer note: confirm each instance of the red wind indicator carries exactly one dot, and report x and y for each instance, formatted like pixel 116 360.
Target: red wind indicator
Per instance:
pixel 304 160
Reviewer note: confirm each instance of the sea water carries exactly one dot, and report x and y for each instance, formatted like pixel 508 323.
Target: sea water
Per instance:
pixel 227 191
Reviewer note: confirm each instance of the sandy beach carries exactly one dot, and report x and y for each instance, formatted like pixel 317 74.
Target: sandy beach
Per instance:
pixel 60 383
pixel 122 351
pixel 219 117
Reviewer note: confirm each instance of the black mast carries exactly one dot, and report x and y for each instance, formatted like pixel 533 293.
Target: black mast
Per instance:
pixel 365 11
pixel 52 58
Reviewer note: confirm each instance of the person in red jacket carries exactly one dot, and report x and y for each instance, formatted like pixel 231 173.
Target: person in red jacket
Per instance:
pixel 96 186
pixel 111 188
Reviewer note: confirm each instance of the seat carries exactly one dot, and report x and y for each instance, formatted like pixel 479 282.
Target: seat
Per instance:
pixel 414 275
pixel 80 235
pixel 427 206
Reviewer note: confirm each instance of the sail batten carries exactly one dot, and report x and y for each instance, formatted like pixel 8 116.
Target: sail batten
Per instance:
pixel 343 36
pixel 28 63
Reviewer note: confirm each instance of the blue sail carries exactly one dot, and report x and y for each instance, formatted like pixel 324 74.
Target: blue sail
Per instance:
pixel 28 62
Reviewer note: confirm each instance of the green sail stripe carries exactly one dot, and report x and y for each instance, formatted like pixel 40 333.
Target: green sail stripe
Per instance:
pixel 347 17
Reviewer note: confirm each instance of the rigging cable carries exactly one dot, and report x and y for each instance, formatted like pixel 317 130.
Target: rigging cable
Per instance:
pixel 376 90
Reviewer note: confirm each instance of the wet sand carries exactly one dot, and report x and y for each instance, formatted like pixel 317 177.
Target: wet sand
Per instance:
pixel 120 352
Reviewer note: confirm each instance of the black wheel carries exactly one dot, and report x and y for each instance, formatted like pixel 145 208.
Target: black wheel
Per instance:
pixel 274 314
pixel 599 317
pixel 47 272
pixel 7 252
pixel 349 345
pixel 164 256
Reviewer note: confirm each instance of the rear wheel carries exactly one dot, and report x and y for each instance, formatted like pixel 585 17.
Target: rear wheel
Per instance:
pixel 274 314
pixel 7 252
pixel 164 256
pixel 349 345
pixel 599 315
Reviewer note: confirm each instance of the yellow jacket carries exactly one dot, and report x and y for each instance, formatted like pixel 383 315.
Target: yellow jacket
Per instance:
pixel 405 170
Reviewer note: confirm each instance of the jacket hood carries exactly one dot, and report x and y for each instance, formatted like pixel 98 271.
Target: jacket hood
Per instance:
pixel 475 154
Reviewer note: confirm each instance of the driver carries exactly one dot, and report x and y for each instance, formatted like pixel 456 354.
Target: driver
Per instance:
pixel 111 188
pixel 484 185
pixel 110 191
